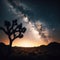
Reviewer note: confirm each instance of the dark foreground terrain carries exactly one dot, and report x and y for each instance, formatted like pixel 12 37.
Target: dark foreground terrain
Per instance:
pixel 49 52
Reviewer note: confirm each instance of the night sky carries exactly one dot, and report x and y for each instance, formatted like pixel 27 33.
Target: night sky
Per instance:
pixel 32 13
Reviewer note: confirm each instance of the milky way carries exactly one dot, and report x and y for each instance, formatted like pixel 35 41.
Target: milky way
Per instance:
pixel 37 31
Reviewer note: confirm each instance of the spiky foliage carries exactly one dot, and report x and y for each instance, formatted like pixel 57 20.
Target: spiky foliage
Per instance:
pixel 13 30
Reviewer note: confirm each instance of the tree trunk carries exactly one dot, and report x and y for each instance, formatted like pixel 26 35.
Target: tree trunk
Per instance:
pixel 10 43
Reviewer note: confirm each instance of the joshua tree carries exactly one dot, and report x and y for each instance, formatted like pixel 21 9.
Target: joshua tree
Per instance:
pixel 13 30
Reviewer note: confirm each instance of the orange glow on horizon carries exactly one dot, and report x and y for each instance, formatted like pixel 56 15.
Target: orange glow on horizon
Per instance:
pixel 27 43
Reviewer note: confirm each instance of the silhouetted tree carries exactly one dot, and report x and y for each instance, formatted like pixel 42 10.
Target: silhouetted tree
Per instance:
pixel 13 30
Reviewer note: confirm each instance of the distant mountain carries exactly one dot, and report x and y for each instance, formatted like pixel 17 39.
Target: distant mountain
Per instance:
pixel 49 49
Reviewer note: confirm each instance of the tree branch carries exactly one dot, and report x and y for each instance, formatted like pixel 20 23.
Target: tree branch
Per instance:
pixel 15 38
pixel 15 30
pixel 1 28
pixel 19 36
